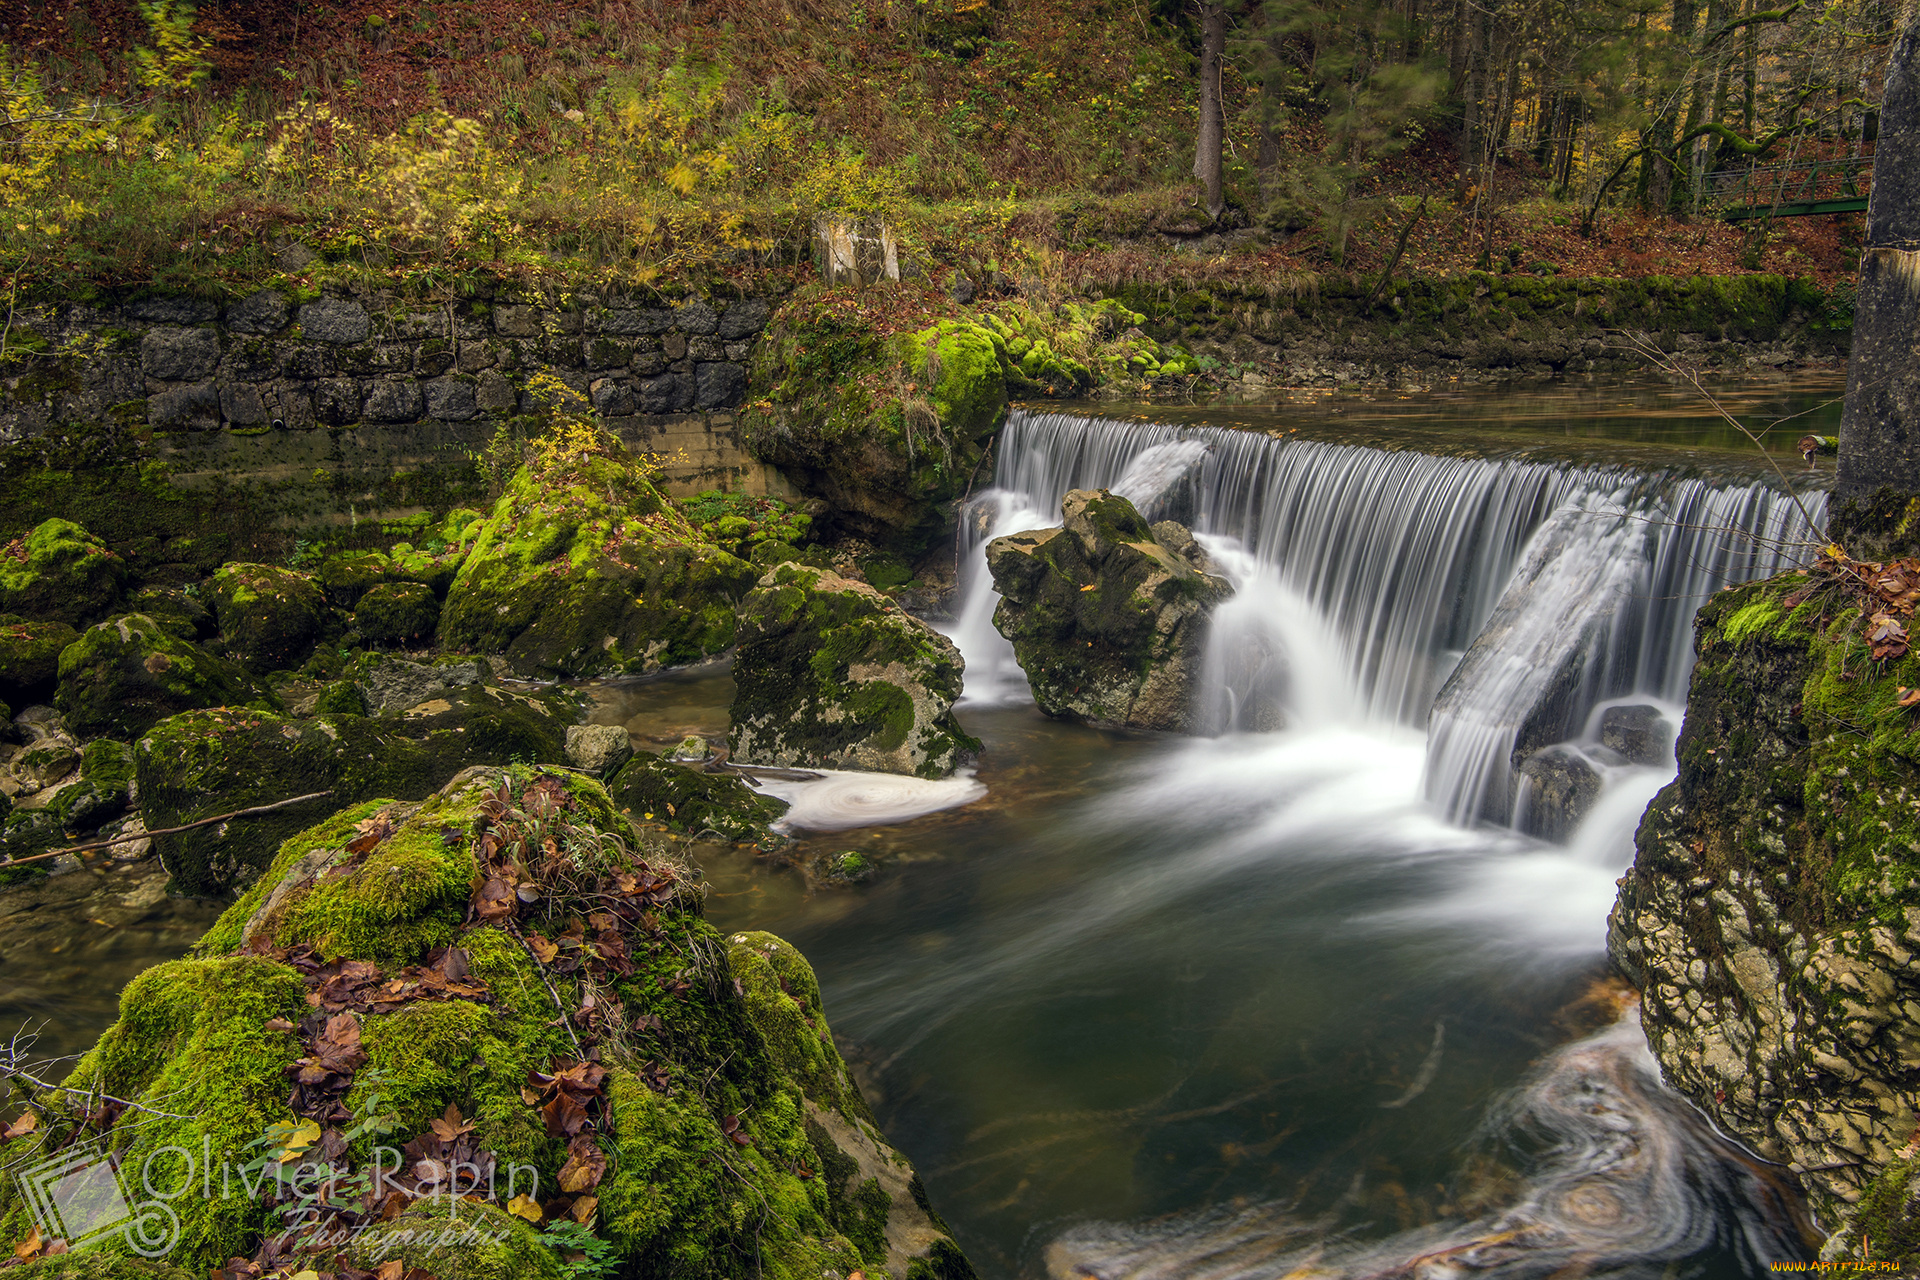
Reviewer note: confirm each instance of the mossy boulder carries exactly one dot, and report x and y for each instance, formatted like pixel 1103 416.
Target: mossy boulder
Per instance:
pixel 204 763
pixel 30 657
pixel 1772 914
pixel 687 798
pixel 90 1265
pixel 122 677
pixel 386 966
pixel 886 430
pixel 584 567
pixel 397 613
pixel 831 673
pixel 270 617
pixel 1107 614
pixel 60 571
pixel 181 612
pixel 104 790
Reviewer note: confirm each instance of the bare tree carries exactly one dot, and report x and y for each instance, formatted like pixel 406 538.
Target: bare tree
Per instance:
pixel 1206 154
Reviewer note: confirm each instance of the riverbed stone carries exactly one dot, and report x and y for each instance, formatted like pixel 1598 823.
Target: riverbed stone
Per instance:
pixel 104 790
pixel 59 571
pixel 30 657
pixel 689 799
pixel 270 617
pixel 832 674
pixel 1561 785
pixel 600 749
pixel 1107 614
pixel 397 613
pixel 124 676
pixel 1640 733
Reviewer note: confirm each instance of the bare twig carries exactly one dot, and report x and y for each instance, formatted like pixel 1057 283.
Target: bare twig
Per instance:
pixel 1663 361
pixel 566 1019
pixel 165 831
pixel 15 1053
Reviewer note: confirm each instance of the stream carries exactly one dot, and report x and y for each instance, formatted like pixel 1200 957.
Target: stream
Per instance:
pixel 1298 996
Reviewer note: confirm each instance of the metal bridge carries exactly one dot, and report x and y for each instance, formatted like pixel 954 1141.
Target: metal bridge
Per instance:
pixel 1790 190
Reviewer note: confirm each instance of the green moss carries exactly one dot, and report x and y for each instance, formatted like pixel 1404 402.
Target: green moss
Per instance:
pixel 59 571
pixel 397 613
pixel 271 617
pixel 483 1241
pixel 30 657
pixel 585 568
pixel 701 804
pixel 1758 616
pixel 124 676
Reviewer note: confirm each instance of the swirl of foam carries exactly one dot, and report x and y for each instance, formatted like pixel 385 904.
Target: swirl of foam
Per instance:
pixel 1627 1181
pixel 839 800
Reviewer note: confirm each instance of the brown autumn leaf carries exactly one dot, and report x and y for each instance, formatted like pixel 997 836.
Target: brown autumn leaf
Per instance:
pixel 29 1249
pixel 1906 697
pixel 543 950
pixel 581 1210
pixel 451 1125
pixel 389 1270
pixel 494 900
pixel 277 1024
pixel 25 1124
pixel 586 1165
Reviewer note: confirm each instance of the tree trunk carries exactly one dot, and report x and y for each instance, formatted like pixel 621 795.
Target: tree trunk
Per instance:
pixel 1880 427
pixel 1206 155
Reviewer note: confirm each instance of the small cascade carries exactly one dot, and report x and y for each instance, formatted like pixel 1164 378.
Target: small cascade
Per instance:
pixel 1494 602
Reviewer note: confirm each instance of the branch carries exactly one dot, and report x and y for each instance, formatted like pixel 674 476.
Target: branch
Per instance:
pixel 1765 15
pixel 12 1055
pixel 165 831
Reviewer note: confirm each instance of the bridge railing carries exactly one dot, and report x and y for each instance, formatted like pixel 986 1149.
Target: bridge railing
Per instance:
pixel 1806 186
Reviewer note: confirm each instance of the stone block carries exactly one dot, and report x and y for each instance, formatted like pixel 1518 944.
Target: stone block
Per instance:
pixel 337 401
pixel 613 398
pixel 394 400
pixel 433 359
pixel 634 323
pixel 179 355
pixel 241 404
pixel 650 363
pixel 474 356
pixel 197 405
pixel 415 326
pixel 515 322
pixel 335 320
pixel 606 353
pixel 669 393
pixel 675 345
pixel 744 319
pixel 266 311
pixel 172 309
pixel 719 385
pixel 451 399
pixel 249 360
pixel 706 348
pixel 696 317
pixel 306 361
pixel 495 393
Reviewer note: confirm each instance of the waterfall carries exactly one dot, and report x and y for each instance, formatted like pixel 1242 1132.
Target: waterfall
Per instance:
pixel 1494 602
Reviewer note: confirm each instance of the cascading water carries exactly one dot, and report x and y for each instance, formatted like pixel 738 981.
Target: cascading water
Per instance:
pixel 1494 602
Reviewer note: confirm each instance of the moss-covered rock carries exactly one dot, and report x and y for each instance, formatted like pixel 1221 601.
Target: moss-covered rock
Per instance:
pixel 269 616
pixel 204 763
pixel 1772 914
pixel 30 657
pixel 90 1265
pixel 122 677
pixel 180 612
pixel 1107 615
pixel 833 674
pixel 714 1131
pixel 59 571
pixel 397 613
pixel 104 791
pixel 688 798
pixel 585 567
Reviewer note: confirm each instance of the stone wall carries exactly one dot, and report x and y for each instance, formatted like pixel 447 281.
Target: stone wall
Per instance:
pixel 317 395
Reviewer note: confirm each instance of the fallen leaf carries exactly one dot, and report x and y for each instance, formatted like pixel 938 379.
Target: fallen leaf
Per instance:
pixel 1906 697
pixel 586 1165
pixel 524 1206
pixel 297 1142
pixel 26 1124
pixel 28 1249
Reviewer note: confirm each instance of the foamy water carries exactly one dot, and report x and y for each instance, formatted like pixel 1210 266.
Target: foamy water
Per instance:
pixel 840 800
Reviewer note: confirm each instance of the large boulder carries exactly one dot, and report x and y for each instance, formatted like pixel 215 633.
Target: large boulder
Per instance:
pixel 103 790
pixel 204 763
pixel 585 567
pixel 1107 614
pixel 832 674
pixel 122 677
pixel 397 613
pixel 269 616
pixel 1640 733
pixel 566 1015
pixel 30 657
pixel 687 798
pixel 59 571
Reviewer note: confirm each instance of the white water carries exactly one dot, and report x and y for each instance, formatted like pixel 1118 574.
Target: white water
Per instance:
pixel 841 799
pixel 1377 591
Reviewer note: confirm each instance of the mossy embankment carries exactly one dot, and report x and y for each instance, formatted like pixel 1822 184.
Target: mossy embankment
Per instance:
pixel 507 979
pixel 1772 917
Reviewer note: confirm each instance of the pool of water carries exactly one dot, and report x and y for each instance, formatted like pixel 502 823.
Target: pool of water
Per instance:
pixel 1155 1006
